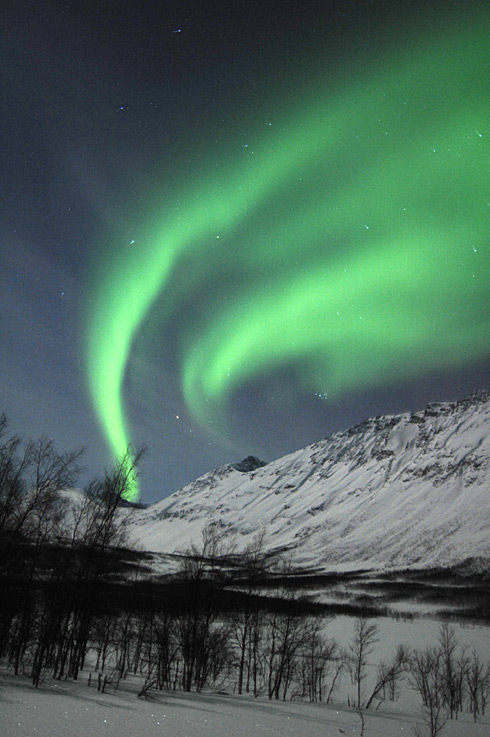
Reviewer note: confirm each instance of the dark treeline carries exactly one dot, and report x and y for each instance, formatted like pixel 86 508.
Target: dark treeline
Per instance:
pixel 54 555
pixel 73 601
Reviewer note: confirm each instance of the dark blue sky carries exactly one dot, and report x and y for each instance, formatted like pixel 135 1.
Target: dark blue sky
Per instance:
pixel 97 100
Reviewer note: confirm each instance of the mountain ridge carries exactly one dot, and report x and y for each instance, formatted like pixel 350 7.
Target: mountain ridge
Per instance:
pixel 393 491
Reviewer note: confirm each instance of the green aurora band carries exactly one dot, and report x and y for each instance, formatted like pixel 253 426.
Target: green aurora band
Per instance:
pixel 353 242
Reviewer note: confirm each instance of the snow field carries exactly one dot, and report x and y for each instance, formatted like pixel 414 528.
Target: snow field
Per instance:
pixel 73 710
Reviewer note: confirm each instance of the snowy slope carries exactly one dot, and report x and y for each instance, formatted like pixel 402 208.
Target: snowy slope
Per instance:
pixel 395 491
pixel 70 709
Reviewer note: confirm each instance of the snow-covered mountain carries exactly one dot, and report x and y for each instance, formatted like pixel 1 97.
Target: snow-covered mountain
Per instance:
pixel 391 492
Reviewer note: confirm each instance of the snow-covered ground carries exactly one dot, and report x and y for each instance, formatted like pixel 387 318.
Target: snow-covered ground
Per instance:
pixel 74 710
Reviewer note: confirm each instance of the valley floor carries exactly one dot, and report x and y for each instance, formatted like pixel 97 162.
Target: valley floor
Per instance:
pixel 71 709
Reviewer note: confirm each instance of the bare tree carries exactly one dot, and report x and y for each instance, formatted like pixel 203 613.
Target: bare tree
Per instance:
pixel 478 685
pixel 285 637
pixel 206 560
pixel 251 568
pixel 32 473
pixel 167 651
pixel 454 667
pixel 426 677
pixel 104 529
pixel 46 473
pixel 14 461
pixel 321 662
pixel 361 647
pixel 201 574
pixel 388 676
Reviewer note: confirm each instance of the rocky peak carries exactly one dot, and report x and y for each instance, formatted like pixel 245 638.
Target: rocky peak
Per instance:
pixel 250 463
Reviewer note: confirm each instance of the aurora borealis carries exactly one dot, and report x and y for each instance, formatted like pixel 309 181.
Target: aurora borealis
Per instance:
pixel 358 231
pixel 233 229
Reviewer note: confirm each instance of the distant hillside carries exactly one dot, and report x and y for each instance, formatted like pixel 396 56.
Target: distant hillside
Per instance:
pixel 398 491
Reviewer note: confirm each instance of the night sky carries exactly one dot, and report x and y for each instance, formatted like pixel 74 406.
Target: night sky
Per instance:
pixel 233 228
